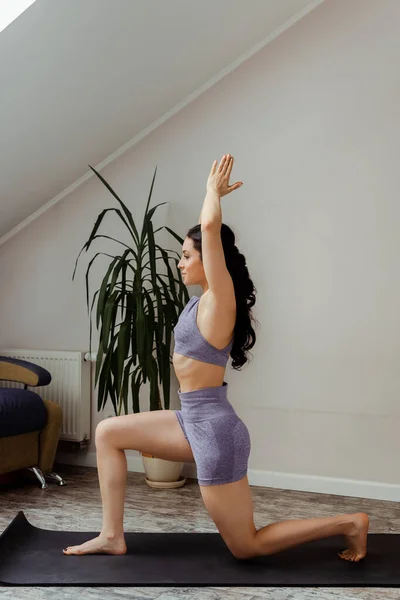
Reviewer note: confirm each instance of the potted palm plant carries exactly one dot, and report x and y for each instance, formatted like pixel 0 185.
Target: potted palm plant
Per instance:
pixel 138 305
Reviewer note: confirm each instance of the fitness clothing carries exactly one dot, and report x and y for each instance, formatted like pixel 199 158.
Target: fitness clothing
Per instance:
pixel 219 439
pixel 190 342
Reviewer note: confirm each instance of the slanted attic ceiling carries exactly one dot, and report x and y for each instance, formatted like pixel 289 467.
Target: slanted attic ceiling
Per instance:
pixel 79 79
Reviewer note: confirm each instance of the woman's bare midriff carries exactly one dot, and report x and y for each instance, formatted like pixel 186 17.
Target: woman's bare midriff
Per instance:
pixel 193 374
pixel 215 321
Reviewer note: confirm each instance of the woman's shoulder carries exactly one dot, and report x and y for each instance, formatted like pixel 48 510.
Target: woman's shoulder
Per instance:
pixel 211 306
pixel 216 319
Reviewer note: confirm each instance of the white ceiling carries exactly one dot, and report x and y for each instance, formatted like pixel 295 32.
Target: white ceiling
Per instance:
pixel 79 79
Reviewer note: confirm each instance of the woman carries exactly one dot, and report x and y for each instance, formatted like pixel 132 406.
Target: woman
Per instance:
pixel 207 430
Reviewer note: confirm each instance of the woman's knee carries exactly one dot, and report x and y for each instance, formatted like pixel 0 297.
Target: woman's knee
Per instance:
pixel 105 431
pixel 243 551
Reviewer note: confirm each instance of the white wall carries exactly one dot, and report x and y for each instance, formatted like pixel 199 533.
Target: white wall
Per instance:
pixel 313 123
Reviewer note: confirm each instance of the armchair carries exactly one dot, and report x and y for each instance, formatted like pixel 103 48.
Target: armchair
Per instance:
pixel 29 425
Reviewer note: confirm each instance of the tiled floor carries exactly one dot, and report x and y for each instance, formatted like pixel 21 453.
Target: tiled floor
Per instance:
pixel 77 506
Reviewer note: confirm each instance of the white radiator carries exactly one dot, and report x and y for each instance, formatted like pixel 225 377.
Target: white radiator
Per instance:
pixel 70 387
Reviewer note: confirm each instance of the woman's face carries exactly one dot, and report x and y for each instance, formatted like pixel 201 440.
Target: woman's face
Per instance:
pixel 191 266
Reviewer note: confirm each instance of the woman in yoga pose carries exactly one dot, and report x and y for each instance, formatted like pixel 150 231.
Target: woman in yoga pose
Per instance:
pixel 207 429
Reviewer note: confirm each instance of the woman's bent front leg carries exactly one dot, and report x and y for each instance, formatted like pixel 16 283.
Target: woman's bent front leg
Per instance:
pixel 112 472
pixel 155 432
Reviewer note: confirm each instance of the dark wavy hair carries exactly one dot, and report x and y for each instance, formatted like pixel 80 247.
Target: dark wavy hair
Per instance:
pixel 245 292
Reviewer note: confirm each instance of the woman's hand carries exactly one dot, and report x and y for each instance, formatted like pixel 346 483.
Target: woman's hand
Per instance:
pixel 218 180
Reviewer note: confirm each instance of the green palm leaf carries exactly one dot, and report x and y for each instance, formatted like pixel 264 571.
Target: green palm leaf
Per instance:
pixel 136 308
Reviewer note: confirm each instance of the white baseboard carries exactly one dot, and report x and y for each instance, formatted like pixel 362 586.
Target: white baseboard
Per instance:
pixel 303 483
pixel 373 490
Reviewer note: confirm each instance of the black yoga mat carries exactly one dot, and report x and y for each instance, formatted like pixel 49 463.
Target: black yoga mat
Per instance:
pixel 33 556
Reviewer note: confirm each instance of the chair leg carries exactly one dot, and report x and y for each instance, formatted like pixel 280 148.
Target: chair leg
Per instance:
pixel 50 477
pixel 39 475
pixel 54 478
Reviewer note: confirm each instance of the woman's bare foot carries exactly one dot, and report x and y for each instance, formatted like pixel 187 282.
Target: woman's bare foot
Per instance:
pixel 99 545
pixel 357 539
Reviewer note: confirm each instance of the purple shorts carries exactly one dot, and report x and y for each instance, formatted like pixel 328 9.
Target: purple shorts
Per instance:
pixel 219 439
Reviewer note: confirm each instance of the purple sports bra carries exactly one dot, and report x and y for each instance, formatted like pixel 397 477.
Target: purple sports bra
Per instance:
pixel 189 341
